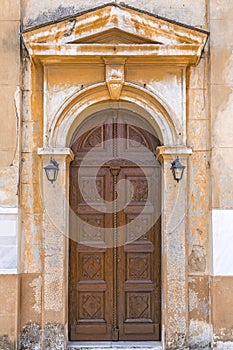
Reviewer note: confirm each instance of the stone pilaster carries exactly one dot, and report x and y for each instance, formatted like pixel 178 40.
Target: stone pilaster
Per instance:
pixel 55 244
pixel 174 273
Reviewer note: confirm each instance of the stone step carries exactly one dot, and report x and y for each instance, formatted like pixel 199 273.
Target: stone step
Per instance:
pixel 113 348
pixel 121 345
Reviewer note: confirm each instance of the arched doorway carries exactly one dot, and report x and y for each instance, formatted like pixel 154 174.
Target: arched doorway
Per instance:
pixel 115 238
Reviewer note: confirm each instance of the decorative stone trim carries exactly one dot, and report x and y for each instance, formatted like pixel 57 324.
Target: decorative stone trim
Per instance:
pixel 115 76
pixel 86 102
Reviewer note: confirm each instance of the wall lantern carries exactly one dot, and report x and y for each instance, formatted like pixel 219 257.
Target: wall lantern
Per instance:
pixel 51 170
pixel 177 169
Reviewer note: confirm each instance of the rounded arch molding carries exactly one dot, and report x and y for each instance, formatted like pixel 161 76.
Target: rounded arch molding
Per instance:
pixel 82 104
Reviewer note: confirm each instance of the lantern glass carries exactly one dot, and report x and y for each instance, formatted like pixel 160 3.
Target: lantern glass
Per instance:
pixel 51 170
pixel 177 169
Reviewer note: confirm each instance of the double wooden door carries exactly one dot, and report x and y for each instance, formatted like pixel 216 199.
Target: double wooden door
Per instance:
pixel 114 266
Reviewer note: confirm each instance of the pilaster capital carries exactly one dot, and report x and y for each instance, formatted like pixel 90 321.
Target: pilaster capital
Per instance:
pixel 59 153
pixel 169 152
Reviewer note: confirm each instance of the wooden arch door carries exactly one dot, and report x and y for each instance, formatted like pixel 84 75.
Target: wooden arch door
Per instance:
pixel 115 244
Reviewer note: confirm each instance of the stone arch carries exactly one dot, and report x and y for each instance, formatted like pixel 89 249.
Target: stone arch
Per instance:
pixel 83 103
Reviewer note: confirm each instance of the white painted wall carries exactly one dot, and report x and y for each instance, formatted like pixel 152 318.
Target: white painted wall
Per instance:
pixel 8 240
pixel 228 345
pixel 222 228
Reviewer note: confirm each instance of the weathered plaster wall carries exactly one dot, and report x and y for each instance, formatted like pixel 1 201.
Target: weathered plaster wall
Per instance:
pixel 222 312
pixel 63 83
pixel 9 288
pixel 9 159
pixel 221 84
pixel 164 82
pixel 31 196
pixel 198 135
pixel 9 101
pixel 31 245
pixel 188 11
pixel 9 79
pixel 221 45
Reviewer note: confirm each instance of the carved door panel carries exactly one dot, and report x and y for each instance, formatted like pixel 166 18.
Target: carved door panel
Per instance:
pixel 114 267
pixel 90 300
pixel 139 259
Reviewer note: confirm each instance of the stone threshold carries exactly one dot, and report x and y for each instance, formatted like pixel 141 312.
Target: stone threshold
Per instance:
pixel 121 345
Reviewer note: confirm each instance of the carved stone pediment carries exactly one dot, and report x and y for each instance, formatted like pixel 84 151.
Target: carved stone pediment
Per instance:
pixel 114 36
pixel 136 33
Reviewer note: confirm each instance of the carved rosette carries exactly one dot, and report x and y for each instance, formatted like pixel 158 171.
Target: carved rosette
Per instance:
pixel 115 76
